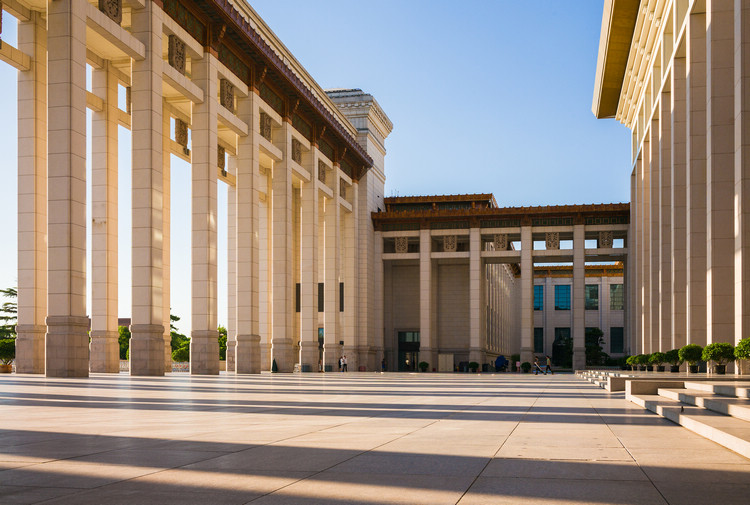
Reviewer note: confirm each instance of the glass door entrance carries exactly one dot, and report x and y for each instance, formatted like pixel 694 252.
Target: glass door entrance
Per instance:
pixel 408 350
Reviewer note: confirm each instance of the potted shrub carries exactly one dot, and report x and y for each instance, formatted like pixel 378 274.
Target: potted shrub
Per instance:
pixel 673 358
pixel 525 367
pixel 423 365
pixel 692 354
pixel 7 354
pixel 631 362
pixel 473 366
pixel 720 353
pixel 657 360
pixel 742 351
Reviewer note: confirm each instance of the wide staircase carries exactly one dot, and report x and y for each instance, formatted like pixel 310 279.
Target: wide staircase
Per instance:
pixel 718 411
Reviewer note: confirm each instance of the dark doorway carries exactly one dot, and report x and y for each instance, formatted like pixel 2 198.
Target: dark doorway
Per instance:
pixel 408 350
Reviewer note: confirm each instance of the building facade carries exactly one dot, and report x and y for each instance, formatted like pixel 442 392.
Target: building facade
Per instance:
pixel 675 72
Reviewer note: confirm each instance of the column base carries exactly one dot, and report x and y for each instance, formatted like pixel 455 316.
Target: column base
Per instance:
pixel 579 358
pixel 167 352
pixel 67 346
pixel 265 356
pixel 281 351
pixel 231 361
pixel 331 355
pixel 526 355
pixel 105 352
pixel 247 354
pixel 146 349
pixel 308 356
pixel 352 358
pixel 30 348
pixel 204 352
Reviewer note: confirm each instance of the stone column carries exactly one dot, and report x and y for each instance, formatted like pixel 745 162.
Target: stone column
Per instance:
pixel 741 170
pixel 378 299
pixel 332 330
pixel 426 348
pixel 67 341
pixel 644 239
pixel 654 232
pixel 283 273
pixel 679 207
pixel 231 267
pixel 32 197
pixel 579 299
pixel 476 276
pixel 309 355
pixel 247 347
pixel 696 177
pixel 166 260
pixel 720 171
pixel 105 350
pixel 665 222
pixel 634 255
pixel 527 295
pixel 147 330
pixel 350 252
pixel 204 345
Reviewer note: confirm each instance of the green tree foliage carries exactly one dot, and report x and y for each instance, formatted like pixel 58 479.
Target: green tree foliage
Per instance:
pixel 177 339
pixel 9 313
pixel 123 338
pixel 742 351
pixel 7 350
pixel 182 353
pixel 222 343
pixel 595 354
pixel 720 352
pixel 691 353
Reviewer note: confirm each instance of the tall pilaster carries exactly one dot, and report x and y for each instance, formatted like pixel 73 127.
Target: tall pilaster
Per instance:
pixel 665 222
pixel 309 354
pixel 741 170
pixel 634 256
pixel 204 345
pixel 679 205
pixel 527 295
pixel 696 178
pixel 283 273
pixel 32 197
pixel 231 267
pixel 378 298
pixel 654 231
pixel 147 340
pixel 426 336
pixel 332 329
pixel 67 341
pixel 166 311
pixel 644 239
pixel 720 171
pixel 579 301
pixel 476 276
pixel 105 350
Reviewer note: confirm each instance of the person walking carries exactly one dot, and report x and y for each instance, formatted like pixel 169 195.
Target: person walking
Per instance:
pixel 549 366
pixel 537 368
pixel 382 366
pixel 344 368
pixel 341 364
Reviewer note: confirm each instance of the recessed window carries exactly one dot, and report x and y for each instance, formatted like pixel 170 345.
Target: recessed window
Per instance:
pixel 562 297
pixel 592 297
pixel 539 340
pixel 616 340
pixel 616 297
pixel 539 297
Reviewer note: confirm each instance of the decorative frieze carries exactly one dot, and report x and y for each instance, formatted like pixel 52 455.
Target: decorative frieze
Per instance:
pixel 112 9
pixel 552 240
pixel 321 171
pixel 176 55
pixel 265 126
pixel 402 245
pixel 500 242
pixel 226 94
pixel 221 161
pixel 606 238
pixel 181 132
pixel 449 243
pixel 297 151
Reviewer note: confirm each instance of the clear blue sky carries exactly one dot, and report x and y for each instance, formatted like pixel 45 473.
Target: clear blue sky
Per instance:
pixel 485 96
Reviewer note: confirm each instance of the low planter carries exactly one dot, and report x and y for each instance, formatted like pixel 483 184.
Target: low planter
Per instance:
pixel 6 368
pixel 660 368
pixel 641 368
pixel 693 368
pixel 720 369
pixel 674 368
pixel 649 368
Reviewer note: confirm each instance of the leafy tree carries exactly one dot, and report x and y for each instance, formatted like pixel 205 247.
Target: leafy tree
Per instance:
pixel 595 354
pixel 177 339
pixel 182 353
pixel 222 343
pixel 9 313
pixel 123 338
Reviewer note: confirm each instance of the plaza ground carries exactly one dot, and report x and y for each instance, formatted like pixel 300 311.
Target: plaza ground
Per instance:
pixel 358 438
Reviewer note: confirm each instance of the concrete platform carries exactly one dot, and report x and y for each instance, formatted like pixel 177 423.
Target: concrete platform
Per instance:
pixel 353 438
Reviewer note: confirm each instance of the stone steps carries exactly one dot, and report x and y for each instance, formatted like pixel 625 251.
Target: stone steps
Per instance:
pixel 718 411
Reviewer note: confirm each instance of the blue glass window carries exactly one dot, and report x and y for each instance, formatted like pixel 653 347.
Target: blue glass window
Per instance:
pixel 562 297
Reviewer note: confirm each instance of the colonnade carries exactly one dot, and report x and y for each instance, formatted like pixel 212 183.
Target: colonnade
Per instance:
pixel 299 200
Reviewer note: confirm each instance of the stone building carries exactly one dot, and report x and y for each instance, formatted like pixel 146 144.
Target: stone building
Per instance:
pixel 319 263
pixel 676 74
